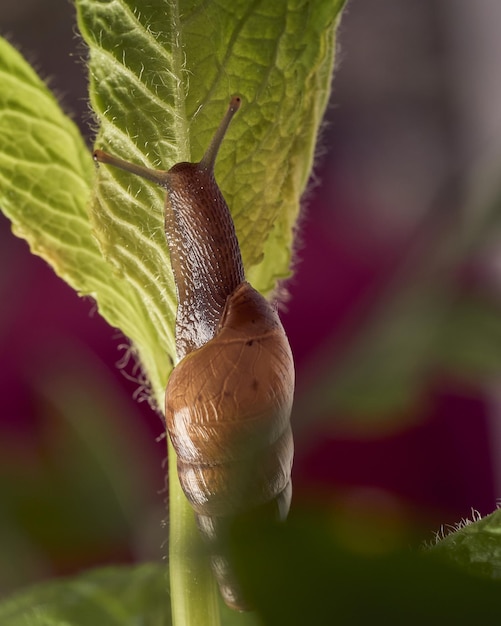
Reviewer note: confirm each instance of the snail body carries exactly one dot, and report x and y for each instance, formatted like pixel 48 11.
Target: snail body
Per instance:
pixel 229 398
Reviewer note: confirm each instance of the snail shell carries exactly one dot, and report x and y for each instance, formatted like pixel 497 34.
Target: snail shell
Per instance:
pixel 228 400
pixel 228 408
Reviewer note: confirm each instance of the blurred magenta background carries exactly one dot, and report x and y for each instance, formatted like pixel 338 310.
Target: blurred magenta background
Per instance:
pixel 81 463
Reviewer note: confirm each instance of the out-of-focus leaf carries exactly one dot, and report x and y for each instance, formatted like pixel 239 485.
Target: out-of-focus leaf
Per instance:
pixel 378 383
pixel 428 321
pixel 475 546
pixel 469 341
pixel 377 380
pixel 89 490
pixel 312 578
pixel 107 597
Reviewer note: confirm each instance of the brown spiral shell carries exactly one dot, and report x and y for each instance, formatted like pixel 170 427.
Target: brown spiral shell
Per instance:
pixel 228 408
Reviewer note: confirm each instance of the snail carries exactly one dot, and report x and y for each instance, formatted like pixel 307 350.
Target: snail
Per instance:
pixel 229 398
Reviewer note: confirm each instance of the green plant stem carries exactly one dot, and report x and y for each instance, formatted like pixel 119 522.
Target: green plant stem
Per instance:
pixel 194 593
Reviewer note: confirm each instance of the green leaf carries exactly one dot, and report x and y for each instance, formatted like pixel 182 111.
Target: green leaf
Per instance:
pixel 46 174
pixel 475 545
pixel 107 597
pixel 161 77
